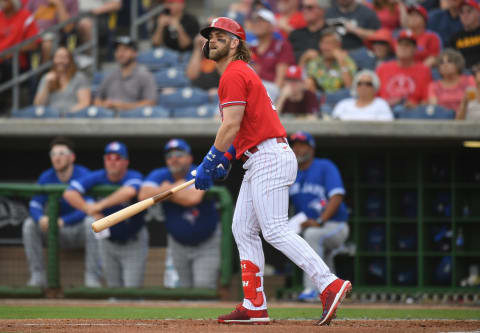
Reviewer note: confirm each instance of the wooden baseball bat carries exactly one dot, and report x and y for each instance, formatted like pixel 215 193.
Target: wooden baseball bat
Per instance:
pixel 136 208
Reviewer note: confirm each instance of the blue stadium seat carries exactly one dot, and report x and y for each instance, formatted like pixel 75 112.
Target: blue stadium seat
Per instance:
pixel 36 112
pixel 364 58
pixel 203 111
pixel 426 112
pixel 146 112
pixel 184 58
pixel 171 77
pixel 184 97
pixel 92 112
pixel 158 58
pixel 332 98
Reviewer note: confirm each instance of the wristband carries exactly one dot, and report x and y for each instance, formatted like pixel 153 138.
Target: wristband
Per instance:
pixel 230 153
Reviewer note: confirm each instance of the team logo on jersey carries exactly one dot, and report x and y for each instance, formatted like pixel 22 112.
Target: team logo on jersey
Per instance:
pixel 191 215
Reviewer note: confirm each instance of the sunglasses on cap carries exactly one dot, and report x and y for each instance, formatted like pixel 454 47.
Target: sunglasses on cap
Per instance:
pixel 113 157
pixel 365 83
pixel 63 152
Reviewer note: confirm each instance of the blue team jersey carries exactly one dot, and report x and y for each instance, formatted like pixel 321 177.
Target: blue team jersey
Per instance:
pixel 187 225
pixel 127 229
pixel 69 214
pixel 313 188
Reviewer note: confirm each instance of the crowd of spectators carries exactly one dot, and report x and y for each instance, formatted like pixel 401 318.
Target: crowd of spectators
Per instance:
pixel 303 50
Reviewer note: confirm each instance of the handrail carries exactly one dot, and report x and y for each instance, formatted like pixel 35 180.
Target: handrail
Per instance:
pixel 136 20
pixel 15 50
pixel 55 191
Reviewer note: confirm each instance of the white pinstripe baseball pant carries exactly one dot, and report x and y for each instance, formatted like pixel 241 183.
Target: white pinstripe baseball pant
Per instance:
pixel 262 206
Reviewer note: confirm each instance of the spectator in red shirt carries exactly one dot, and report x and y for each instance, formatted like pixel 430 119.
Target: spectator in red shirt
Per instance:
pixel 271 56
pixel 16 25
pixel 404 80
pixel 391 13
pixel 450 89
pixel 295 99
pixel 428 42
pixel 289 17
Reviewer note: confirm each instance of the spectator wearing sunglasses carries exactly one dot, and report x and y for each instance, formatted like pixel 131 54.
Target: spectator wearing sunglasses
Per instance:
pixel 123 247
pixel 364 105
pixel 192 221
pixel 73 228
pixel 306 39
pixel 450 89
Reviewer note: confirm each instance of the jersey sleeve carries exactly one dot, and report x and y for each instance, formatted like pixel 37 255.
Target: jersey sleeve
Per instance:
pixel 233 90
pixel 333 180
pixel 155 178
pixel 73 217
pixel 83 184
pixel 133 179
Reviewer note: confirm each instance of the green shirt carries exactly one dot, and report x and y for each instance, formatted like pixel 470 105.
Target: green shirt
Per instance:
pixel 329 79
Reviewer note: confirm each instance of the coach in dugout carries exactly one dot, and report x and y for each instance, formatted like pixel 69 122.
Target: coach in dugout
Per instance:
pixel 191 220
pixel 72 223
pixel 124 247
pixel 317 196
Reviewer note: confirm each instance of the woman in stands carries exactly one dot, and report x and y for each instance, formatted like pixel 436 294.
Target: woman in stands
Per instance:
pixel 64 87
pixel 470 106
pixel 364 105
pixel 449 90
pixel 391 13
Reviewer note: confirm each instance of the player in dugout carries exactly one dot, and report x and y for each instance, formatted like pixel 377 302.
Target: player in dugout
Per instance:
pixel 124 247
pixel 317 196
pixel 194 233
pixel 252 132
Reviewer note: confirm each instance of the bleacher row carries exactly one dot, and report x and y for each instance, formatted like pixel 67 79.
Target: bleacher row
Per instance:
pixel 184 101
pixel 168 69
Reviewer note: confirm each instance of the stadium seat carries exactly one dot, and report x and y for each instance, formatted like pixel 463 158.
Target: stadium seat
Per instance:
pixel 332 98
pixel 171 77
pixel 146 112
pixel 92 112
pixel 184 58
pixel 36 112
pixel 426 112
pixel 159 58
pixel 364 58
pixel 203 111
pixel 184 97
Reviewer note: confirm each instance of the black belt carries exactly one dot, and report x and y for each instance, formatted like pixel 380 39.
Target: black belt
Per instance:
pixel 254 149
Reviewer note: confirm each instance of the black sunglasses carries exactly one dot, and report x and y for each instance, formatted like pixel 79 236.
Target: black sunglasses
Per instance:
pixel 365 83
pixel 309 7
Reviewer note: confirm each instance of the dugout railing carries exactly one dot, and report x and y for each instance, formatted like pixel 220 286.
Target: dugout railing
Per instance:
pixel 54 288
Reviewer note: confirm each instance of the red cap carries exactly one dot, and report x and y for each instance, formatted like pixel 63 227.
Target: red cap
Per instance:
pixel 294 73
pixel 381 35
pixel 471 3
pixel 226 24
pixel 420 9
pixel 407 34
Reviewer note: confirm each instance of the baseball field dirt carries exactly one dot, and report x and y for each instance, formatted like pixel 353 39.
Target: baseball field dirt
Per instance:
pixel 23 317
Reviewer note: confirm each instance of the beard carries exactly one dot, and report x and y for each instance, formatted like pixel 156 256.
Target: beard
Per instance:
pixel 219 54
pixel 304 158
pixel 178 169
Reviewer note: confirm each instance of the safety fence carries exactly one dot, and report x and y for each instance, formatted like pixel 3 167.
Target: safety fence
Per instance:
pixel 54 262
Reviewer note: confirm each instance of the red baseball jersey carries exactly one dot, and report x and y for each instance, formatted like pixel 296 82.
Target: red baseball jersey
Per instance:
pixel 240 85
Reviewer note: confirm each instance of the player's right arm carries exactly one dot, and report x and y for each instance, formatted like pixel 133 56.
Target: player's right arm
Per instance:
pixel 232 119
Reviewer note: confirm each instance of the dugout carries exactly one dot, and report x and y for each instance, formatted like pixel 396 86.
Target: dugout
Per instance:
pixel 412 189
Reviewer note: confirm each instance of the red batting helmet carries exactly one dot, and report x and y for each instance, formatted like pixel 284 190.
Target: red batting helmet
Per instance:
pixel 226 24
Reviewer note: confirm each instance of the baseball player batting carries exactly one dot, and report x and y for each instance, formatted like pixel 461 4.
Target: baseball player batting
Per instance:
pixel 251 131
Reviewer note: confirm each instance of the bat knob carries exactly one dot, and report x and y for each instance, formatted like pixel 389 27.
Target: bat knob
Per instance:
pixel 193 173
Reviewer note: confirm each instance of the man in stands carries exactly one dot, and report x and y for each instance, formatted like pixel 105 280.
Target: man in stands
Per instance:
pixel 129 86
pixel 404 81
pixel 467 41
pixel 308 38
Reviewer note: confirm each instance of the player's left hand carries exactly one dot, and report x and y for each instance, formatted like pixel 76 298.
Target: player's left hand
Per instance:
pixel 310 223
pixel 203 178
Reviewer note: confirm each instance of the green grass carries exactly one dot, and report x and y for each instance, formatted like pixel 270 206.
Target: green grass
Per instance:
pixel 57 312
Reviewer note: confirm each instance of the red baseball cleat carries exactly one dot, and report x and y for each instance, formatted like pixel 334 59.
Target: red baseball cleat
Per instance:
pixel 331 298
pixel 242 315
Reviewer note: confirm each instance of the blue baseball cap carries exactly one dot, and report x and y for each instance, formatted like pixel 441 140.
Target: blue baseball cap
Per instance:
pixel 177 144
pixel 116 147
pixel 302 136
